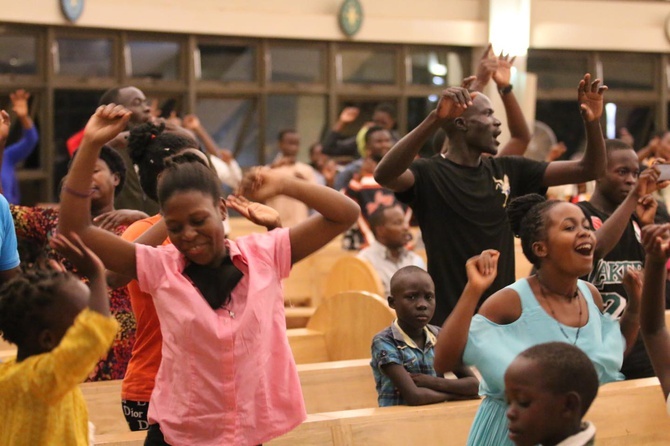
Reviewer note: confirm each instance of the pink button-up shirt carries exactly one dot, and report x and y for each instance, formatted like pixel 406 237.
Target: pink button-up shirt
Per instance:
pixel 227 376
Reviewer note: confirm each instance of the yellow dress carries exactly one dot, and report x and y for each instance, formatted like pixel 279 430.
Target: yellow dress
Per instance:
pixel 40 400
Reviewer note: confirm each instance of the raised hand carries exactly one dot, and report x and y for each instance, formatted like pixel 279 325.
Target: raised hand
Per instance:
pixel 257 213
pixel 4 127
pixel 349 115
pixel 468 82
pixel 107 122
pixel 556 151
pixel 632 283
pixel 487 66
pixel 20 102
pixel 261 183
pixel 191 122
pixel 112 219
pixel 482 269
pixel 503 73
pixel 453 102
pixel 74 249
pixel 655 241
pixel 590 97
pixel 646 210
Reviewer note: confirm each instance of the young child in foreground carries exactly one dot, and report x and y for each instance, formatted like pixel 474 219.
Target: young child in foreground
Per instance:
pixel 402 354
pixel 61 328
pixel 549 387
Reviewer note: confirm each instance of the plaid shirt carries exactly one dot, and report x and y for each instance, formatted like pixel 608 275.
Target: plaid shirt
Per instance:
pixel 393 346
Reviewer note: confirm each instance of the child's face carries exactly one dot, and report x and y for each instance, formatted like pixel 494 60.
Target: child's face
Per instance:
pixel 413 300
pixel 194 226
pixel 103 184
pixel 535 415
pixel 73 298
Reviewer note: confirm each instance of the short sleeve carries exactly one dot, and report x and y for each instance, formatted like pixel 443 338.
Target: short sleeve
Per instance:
pixel 152 265
pixel 9 254
pixel 282 251
pixel 384 352
pixel 527 176
pixel 411 196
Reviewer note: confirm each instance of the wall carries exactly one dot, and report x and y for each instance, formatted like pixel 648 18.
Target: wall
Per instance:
pixel 453 22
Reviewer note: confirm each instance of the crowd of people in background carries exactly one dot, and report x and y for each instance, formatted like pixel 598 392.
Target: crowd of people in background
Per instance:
pixel 133 274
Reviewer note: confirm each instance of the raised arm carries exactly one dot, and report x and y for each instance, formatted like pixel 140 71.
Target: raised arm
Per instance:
pixel 393 171
pixel 516 122
pixel 24 147
pixel 630 321
pixel 335 212
pixel 75 210
pixel 609 234
pixel 333 144
pixel 453 337
pixel 191 122
pixel 594 162
pixel 652 313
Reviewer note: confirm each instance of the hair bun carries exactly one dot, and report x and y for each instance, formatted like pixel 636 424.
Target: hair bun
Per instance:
pixel 141 137
pixel 519 207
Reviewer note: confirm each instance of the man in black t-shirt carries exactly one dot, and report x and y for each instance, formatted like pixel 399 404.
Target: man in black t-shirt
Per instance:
pixel 460 198
pixel 619 208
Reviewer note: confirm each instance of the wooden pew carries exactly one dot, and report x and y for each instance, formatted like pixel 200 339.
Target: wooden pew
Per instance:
pixel 625 413
pixel 351 273
pixel 328 386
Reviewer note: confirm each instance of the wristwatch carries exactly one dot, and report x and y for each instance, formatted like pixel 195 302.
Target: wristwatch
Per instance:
pixel 505 90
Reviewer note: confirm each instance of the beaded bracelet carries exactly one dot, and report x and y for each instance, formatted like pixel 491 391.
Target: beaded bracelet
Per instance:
pixel 76 193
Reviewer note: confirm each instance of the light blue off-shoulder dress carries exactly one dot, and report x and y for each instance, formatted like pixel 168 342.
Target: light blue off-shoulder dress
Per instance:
pixel 492 347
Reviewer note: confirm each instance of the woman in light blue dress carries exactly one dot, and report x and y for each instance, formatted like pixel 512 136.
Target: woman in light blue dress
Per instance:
pixel 552 305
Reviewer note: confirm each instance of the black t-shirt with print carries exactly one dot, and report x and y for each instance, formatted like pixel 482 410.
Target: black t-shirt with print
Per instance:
pixel 461 212
pixel 607 277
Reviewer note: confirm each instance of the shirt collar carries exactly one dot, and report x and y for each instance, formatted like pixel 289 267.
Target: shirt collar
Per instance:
pixel 400 335
pixel 236 256
pixel 387 252
pixel 581 438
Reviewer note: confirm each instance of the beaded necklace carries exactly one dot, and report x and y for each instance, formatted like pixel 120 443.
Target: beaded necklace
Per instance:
pixel 560 326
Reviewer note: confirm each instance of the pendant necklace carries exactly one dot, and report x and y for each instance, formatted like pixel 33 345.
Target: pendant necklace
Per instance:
pixel 560 326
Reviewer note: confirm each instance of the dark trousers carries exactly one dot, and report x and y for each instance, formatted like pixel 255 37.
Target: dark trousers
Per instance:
pixel 136 414
pixel 155 436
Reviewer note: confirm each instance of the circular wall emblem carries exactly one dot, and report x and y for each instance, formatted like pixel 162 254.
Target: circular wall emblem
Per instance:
pixel 351 17
pixel 72 9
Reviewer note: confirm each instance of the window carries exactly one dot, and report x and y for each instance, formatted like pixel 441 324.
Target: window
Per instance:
pixel 363 66
pixel 227 63
pixel 233 123
pixel 417 110
pixel 296 64
pixel 304 113
pixel 83 57
pixel 558 69
pixel 437 67
pixel 18 54
pixel 153 59
pixel 630 71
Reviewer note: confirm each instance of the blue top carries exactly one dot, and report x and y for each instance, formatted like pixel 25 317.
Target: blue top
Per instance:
pixel 492 348
pixel 393 346
pixel 9 256
pixel 14 154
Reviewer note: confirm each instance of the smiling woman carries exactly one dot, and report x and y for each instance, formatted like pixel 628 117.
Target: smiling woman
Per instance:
pixel 553 305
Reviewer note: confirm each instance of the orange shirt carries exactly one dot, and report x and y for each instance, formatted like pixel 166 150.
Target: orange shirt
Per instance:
pixel 138 382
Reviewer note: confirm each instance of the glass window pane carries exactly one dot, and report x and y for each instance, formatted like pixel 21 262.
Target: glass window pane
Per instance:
pixel 639 120
pixel 417 110
pixel 228 63
pixel 84 57
pixel 434 67
pixel 558 69
pixel 368 66
pixel 157 60
pixel 18 54
pixel 628 70
pixel 295 64
pixel 564 120
pixel 306 114
pixel 233 123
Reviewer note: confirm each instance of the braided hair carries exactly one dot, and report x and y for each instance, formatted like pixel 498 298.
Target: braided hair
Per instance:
pixel 527 218
pixel 24 300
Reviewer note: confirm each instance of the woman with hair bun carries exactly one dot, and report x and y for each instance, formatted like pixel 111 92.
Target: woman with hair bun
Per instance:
pixel 551 305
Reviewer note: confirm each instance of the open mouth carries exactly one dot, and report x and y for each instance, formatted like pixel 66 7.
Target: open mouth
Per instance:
pixel 585 249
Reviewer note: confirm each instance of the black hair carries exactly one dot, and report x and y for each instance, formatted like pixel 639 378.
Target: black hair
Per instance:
pixel 402 272
pixel 527 218
pixel 111 96
pixel 24 300
pixel 565 368
pixel 378 218
pixel 372 130
pixel 187 176
pixel 386 107
pixel 114 162
pixel 188 157
pixel 148 146
pixel 283 132
pixel 612 145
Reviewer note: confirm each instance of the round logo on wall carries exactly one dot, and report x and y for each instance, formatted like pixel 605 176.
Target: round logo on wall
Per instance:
pixel 351 17
pixel 72 9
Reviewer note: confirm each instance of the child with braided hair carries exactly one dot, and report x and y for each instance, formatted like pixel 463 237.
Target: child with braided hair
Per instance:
pixel 61 328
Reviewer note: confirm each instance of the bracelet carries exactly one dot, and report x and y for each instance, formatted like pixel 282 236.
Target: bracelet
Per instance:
pixel 76 193
pixel 505 90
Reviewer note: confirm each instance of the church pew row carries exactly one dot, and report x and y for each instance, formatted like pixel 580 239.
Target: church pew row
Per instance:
pixel 625 413
pixel 328 386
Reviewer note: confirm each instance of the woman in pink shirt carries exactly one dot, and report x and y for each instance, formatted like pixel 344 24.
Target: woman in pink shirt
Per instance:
pixel 227 374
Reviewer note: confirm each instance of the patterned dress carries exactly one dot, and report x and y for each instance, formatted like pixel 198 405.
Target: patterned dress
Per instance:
pixel 34 228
